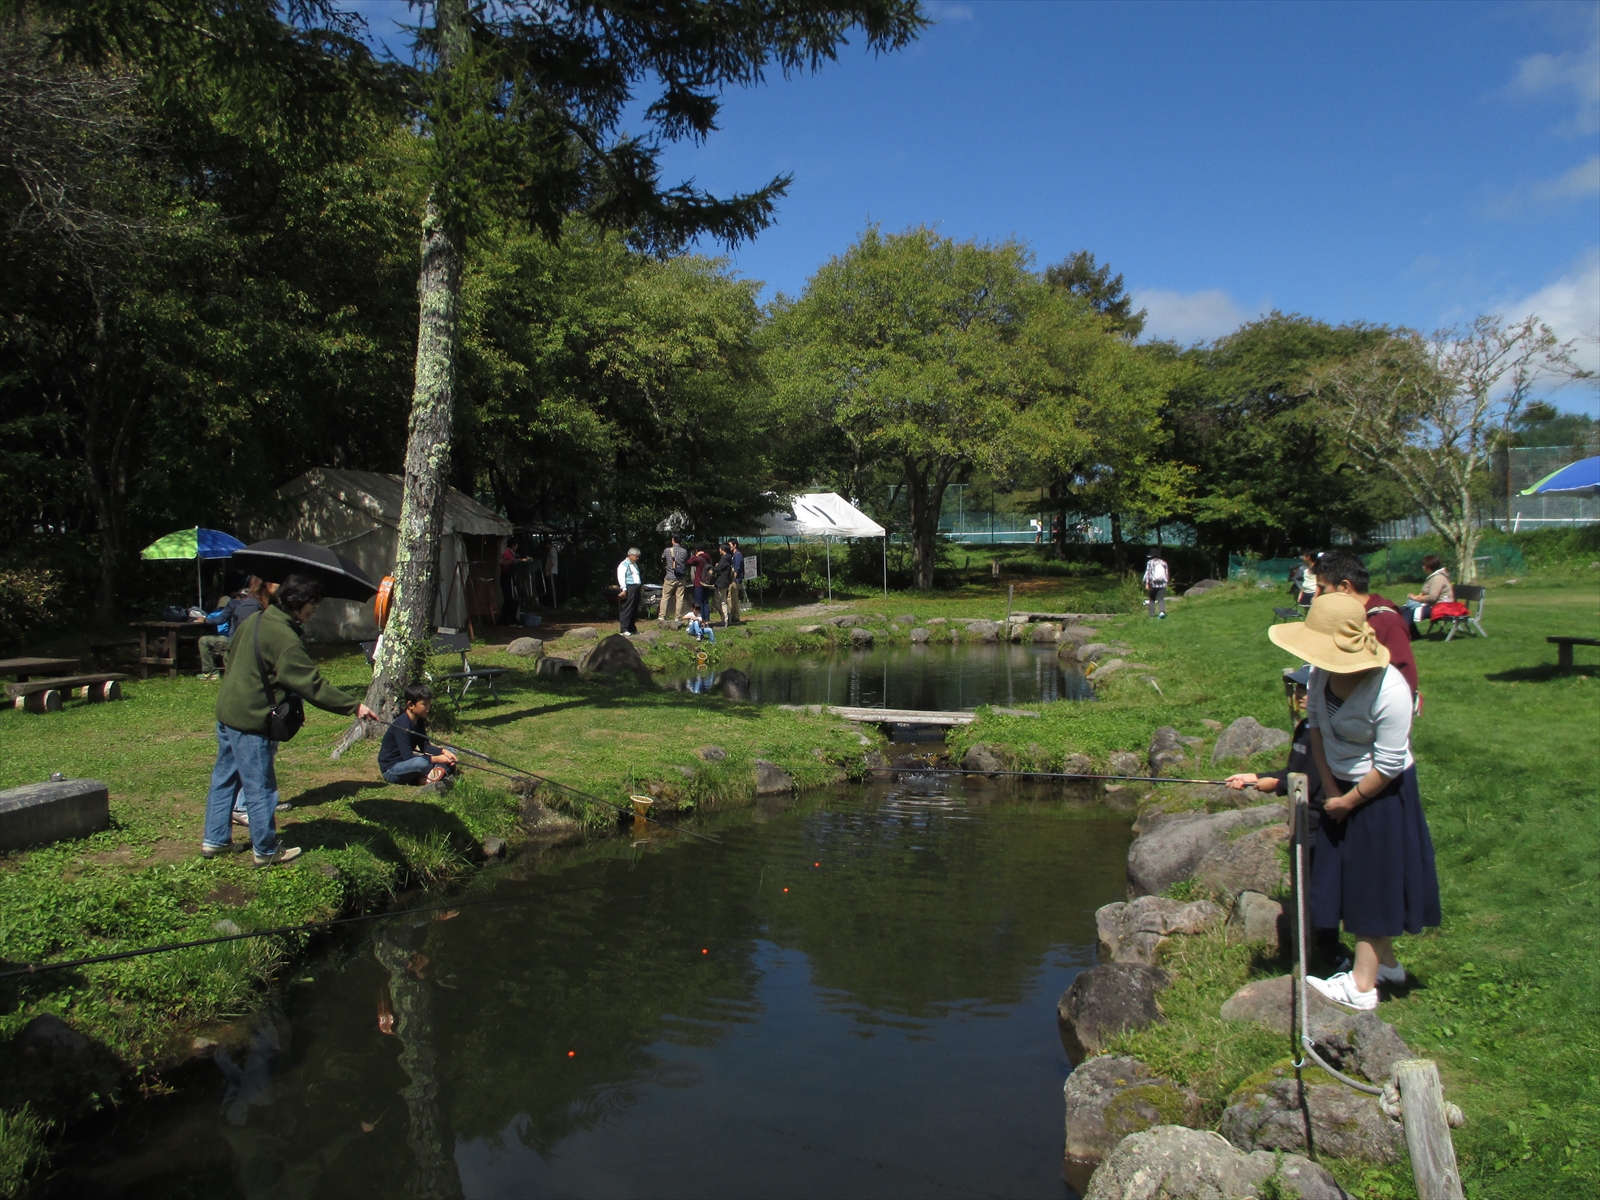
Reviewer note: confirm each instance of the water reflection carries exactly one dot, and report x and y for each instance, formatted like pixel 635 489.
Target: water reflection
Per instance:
pixel 852 995
pixel 943 678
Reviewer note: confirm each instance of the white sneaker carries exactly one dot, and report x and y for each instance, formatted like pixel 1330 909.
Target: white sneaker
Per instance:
pixel 1341 989
pixel 1394 976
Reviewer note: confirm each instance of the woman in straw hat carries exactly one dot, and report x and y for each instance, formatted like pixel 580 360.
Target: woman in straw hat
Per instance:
pixel 1372 866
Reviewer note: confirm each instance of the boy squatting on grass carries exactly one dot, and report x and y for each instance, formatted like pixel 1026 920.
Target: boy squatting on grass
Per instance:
pixel 407 756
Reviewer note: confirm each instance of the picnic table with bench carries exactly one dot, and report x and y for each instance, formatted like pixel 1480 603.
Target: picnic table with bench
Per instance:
pixel 25 668
pixel 165 634
pixel 45 695
pixel 1564 647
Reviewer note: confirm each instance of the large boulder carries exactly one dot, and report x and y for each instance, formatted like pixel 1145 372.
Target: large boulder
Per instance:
pixel 1091 650
pixel 1173 849
pixel 984 631
pixel 1133 931
pixel 1170 1162
pixel 1245 737
pixel 1106 1000
pixel 1077 635
pixel 549 667
pixel 861 637
pixel 1166 750
pixel 919 636
pixel 1110 667
pixel 771 779
pixel 980 758
pixel 1107 1098
pixel 1249 863
pixel 1078 764
pixel 1124 762
pixel 525 647
pixel 938 621
pixel 612 654
pixel 583 633
pixel 808 629
pixel 734 684
pixel 1359 1043
pixel 711 754
pixel 844 622
pixel 1260 918
pixel 1202 587
pixel 1273 1110
pixel 1044 631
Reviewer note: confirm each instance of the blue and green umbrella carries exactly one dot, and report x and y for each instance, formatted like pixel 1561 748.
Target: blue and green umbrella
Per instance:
pixel 198 544
pixel 1581 476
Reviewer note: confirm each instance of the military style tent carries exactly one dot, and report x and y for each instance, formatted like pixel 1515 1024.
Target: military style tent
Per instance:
pixel 357 513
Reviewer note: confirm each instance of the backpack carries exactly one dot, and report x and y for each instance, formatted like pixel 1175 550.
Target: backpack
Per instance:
pixel 1156 573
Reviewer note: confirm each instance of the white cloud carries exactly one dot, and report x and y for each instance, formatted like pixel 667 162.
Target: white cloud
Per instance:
pixel 1576 72
pixel 1197 316
pixel 943 10
pixel 1578 183
pixel 1570 306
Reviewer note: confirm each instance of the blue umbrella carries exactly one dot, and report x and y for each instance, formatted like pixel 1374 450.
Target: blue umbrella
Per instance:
pixel 1581 476
pixel 196 543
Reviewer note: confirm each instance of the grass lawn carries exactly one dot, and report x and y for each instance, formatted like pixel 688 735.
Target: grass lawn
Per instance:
pixel 1507 757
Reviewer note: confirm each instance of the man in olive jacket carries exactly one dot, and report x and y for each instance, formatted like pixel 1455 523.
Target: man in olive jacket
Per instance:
pixel 244 752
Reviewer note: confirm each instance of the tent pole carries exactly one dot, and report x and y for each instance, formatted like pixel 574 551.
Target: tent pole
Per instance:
pixel 199 581
pixel 827 548
pixel 886 564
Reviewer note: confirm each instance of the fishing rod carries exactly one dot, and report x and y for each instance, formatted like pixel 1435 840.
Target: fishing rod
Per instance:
pixel 519 773
pixel 41 968
pixel 1053 775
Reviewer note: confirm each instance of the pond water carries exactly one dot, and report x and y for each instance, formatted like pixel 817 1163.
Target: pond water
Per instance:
pixel 939 677
pixel 852 995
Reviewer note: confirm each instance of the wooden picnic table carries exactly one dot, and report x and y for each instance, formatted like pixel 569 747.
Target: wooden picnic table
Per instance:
pixel 165 634
pixel 22 668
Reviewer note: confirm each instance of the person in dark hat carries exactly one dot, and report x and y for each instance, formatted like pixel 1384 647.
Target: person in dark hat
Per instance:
pixel 1156 577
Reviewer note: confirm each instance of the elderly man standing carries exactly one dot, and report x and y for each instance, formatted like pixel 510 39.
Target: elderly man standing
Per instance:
pixel 629 580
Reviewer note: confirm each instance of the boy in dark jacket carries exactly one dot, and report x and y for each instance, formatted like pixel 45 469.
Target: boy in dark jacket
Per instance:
pixel 407 756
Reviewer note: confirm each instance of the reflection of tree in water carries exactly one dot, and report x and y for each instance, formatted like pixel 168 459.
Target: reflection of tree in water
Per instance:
pixel 270 1158
pixel 434 1171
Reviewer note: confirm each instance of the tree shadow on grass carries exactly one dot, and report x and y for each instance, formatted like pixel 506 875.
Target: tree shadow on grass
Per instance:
pixel 544 710
pixel 329 793
pixel 1543 673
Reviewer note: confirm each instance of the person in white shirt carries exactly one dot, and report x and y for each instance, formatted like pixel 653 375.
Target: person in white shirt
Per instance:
pixel 1156 577
pixel 630 581
pixel 1372 866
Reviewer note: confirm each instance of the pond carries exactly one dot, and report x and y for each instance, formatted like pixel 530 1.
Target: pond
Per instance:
pixel 938 677
pixel 853 994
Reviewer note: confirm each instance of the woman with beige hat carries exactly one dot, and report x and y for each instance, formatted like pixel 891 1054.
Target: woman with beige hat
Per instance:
pixel 1372 856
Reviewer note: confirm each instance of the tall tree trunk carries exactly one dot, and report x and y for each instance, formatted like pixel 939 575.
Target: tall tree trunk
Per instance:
pixel 105 469
pixel 925 488
pixel 1119 548
pixel 433 400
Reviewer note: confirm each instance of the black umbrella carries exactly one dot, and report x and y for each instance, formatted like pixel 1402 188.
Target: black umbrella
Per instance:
pixel 276 559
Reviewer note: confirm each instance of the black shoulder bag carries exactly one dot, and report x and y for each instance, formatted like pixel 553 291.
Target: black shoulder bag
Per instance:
pixel 284 719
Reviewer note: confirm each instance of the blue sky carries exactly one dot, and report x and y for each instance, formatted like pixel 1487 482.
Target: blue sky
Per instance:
pixel 1400 163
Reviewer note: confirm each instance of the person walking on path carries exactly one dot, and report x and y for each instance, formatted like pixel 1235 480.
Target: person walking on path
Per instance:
pixel 1156 576
pixel 699 577
pixel 552 568
pixel 631 583
pixel 273 664
pixel 1372 868
pixel 1342 571
pixel 675 565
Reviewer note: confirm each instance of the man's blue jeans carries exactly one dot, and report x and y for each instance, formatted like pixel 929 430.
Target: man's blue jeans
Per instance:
pixel 244 763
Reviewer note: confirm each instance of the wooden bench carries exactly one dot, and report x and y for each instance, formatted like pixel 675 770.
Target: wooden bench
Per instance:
pixel 1564 647
pixel 44 695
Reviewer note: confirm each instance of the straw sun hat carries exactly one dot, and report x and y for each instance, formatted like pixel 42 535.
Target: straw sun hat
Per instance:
pixel 1334 636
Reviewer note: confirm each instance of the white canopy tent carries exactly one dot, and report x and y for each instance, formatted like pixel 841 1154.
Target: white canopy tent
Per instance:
pixel 827 515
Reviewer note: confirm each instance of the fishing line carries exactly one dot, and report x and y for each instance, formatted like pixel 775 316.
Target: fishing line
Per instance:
pixel 1052 775
pixel 390 914
pixel 519 773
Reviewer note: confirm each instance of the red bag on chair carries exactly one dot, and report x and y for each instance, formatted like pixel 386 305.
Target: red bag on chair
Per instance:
pixel 1447 609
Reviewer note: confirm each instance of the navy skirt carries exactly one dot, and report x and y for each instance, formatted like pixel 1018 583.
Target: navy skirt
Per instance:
pixel 1373 872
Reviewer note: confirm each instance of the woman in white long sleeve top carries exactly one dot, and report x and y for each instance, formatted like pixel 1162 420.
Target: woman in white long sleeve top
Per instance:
pixel 1372 860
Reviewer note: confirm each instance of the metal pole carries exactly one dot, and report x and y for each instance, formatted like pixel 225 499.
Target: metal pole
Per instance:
pixel 827 549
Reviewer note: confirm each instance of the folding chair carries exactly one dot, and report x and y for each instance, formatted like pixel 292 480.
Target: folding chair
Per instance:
pixel 451 641
pixel 1466 593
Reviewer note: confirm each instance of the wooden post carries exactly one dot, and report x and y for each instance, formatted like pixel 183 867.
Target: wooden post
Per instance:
pixel 1011 597
pixel 1433 1156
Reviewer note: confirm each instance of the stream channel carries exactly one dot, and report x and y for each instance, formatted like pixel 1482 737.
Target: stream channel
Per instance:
pixel 852 994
